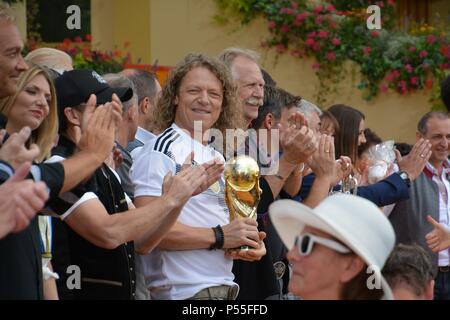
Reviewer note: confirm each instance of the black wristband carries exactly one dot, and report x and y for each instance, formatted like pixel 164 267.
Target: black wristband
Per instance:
pixel 220 238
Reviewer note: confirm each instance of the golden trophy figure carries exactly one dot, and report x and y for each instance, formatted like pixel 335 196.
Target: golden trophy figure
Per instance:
pixel 242 192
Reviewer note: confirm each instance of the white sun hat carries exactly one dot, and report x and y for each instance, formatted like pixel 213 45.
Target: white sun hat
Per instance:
pixel 355 221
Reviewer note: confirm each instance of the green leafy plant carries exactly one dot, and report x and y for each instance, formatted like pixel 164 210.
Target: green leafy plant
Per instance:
pixel 335 32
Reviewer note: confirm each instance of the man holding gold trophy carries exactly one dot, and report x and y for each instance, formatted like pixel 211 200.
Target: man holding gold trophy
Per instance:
pixel 189 263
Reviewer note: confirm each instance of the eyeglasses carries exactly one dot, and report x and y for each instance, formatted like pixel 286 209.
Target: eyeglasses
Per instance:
pixel 305 244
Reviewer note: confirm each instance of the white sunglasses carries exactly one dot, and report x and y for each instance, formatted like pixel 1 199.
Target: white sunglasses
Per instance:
pixel 305 244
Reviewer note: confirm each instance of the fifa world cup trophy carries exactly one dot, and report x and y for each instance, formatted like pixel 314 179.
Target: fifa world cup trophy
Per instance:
pixel 242 192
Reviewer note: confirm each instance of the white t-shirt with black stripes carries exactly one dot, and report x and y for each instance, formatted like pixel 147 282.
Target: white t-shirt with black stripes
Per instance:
pixel 181 274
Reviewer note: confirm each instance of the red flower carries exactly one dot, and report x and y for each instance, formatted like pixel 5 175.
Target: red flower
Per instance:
pixel 281 48
pixel 375 34
pixel 429 83
pixel 322 34
pixel 311 34
pixel 316 47
pixel 391 3
pixel 88 38
pixel 318 9
pixel 319 19
pixel 301 16
pixel 286 11
pixel 285 29
pixel 380 4
pixel 272 24
pixel 367 50
pixel 423 53
pixel 414 81
pixel 316 66
pixel 294 5
pixel 336 41
pixel 408 68
pixel 310 42
pixel 412 49
pixel 333 25
pixel 445 50
pixel 331 8
pixel 402 87
pixel 383 88
pixel 331 56
pixel 86 53
pixel 67 42
pixel 78 39
pixel 431 39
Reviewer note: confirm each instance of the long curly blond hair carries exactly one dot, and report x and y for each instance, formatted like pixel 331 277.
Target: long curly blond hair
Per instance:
pixel 45 135
pixel 231 117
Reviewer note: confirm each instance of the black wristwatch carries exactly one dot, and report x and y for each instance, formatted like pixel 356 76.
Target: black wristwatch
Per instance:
pixel 405 177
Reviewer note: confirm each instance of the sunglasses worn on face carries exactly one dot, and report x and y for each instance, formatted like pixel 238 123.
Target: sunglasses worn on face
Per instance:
pixel 305 244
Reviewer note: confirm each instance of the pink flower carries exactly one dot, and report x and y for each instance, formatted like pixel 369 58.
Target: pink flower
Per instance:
pixel 316 66
pixel 408 68
pixel 280 48
pixel 375 34
pixel 284 28
pixel 333 25
pixel 331 56
pixel 319 19
pixel 423 53
pixel 414 80
pixel 336 41
pixel 330 8
pixel 301 16
pixel 294 5
pixel 310 42
pixel 286 11
pixel 78 39
pixel 318 9
pixel 272 24
pixel 431 39
pixel 383 88
pixel 389 77
pixel 402 86
pixel 311 34
pixel 322 34
pixel 412 49
pixel 367 50
pixel 316 47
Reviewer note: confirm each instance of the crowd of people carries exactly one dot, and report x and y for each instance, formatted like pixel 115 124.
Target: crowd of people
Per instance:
pixel 112 187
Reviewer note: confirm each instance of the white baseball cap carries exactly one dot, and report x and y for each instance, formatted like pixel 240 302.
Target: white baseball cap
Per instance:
pixel 355 221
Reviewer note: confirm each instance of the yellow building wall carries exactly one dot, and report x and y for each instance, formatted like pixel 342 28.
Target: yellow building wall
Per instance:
pixel 116 22
pixel 166 30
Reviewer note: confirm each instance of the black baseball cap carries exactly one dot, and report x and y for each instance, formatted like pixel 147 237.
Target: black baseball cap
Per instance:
pixel 76 86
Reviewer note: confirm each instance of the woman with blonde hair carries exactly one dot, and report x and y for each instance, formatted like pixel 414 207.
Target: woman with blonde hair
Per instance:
pixel 34 106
